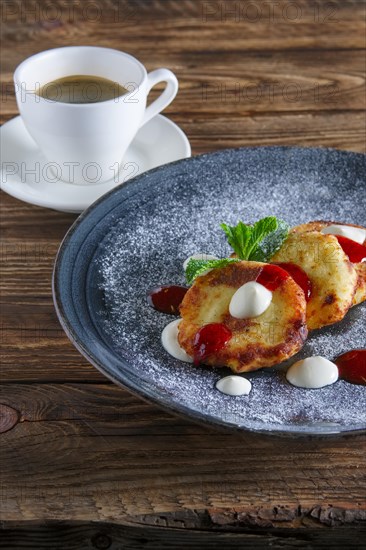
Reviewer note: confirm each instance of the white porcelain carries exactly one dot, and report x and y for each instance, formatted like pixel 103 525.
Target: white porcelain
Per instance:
pixel 87 142
pixel 26 174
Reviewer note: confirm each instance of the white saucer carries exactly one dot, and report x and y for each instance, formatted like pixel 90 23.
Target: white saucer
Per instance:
pixel 25 176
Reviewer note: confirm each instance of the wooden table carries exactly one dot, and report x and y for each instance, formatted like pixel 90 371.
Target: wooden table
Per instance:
pixel 86 464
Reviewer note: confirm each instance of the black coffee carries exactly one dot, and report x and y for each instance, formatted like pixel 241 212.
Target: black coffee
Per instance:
pixel 81 89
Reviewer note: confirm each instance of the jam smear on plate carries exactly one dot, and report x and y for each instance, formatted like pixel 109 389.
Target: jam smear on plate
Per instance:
pixel 299 276
pixel 167 298
pixel 356 252
pixel 210 339
pixel 352 366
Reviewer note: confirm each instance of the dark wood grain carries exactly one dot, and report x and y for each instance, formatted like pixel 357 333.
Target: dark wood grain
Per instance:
pixel 85 464
pixel 95 442
pixel 173 533
pixel 189 25
pixel 235 82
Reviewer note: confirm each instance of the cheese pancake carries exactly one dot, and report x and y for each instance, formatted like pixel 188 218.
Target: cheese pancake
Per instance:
pixel 256 342
pixel 360 267
pixel 333 277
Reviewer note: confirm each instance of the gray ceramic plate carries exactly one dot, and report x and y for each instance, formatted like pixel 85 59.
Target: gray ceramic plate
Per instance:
pixel 138 235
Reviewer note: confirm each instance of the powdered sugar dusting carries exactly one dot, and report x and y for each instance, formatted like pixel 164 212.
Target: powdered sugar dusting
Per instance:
pixel 151 238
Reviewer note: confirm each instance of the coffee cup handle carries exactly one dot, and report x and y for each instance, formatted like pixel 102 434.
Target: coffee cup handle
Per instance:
pixel 167 96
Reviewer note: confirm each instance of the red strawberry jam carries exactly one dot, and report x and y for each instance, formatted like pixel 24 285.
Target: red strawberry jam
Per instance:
pixel 356 252
pixel 352 366
pixel 209 339
pixel 299 276
pixel 271 276
pixel 167 299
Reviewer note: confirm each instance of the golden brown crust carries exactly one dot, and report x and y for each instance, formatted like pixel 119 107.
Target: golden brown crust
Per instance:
pixel 360 294
pixel 332 275
pixel 317 225
pixel 258 342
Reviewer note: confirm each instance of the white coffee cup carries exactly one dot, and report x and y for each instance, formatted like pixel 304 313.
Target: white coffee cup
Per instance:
pixel 86 142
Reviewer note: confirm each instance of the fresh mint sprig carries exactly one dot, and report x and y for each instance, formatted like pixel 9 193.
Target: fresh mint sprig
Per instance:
pixel 257 242
pixel 195 268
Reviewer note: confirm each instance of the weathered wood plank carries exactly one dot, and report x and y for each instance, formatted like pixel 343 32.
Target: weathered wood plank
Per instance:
pixel 61 363
pixel 175 535
pixel 341 130
pixel 186 25
pixel 66 475
pixel 83 464
pixel 227 82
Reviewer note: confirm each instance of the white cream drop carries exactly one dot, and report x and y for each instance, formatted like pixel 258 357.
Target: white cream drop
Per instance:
pixel 356 234
pixel 169 339
pixel 234 385
pixel 312 373
pixel 250 300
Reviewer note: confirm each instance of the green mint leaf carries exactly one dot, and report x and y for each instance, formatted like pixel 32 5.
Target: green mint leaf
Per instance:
pixel 238 237
pixel 271 243
pixel 198 267
pixel 260 230
pixel 257 242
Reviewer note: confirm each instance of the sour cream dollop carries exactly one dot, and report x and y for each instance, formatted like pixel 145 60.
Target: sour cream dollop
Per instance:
pixel 312 372
pixel 169 339
pixel 198 256
pixel 356 234
pixel 250 300
pixel 234 385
